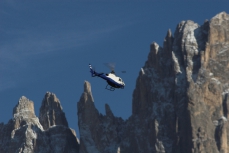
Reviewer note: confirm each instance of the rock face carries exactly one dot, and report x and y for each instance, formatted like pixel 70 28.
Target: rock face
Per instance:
pixel 98 133
pixel 51 112
pixel 180 103
pixel 25 133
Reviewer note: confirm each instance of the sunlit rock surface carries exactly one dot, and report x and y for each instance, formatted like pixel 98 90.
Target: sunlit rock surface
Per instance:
pixel 25 134
pixel 180 103
pixel 51 112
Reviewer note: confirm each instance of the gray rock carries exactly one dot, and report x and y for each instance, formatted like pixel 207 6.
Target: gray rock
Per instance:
pixel 98 133
pixel 24 133
pixel 51 112
pixel 180 103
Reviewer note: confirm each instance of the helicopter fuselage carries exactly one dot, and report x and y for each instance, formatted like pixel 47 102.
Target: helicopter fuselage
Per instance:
pixel 112 80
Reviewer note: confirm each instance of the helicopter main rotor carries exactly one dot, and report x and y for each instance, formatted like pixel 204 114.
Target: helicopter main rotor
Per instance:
pixel 111 66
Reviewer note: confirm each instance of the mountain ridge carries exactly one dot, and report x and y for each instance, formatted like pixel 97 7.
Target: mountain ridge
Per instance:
pixel 25 132
pixel 180 100
pixel 180 104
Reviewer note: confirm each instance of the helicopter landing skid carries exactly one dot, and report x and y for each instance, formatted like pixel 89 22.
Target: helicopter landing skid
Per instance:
pixel 111 88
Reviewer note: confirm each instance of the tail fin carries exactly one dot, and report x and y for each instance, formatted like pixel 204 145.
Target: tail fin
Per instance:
pixel 92 71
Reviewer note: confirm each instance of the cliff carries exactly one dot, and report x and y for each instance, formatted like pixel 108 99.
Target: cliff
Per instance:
pixel 47 134
pixel 180 103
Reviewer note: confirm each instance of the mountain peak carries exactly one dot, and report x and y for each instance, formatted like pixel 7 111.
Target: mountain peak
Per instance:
pixel 87 95
pixel 24 108
pixel 222 15
pixel 24 133
pixel 51 112
pixel 52 97
pixel 108 111
pixel 87 87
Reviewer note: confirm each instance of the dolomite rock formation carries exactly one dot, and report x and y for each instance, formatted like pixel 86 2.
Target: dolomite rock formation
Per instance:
pixel 92 125
pixel 25 133
pixel 180 103
pixel 51 112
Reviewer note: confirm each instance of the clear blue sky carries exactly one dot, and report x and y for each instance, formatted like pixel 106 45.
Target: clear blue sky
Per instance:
pixel 47 46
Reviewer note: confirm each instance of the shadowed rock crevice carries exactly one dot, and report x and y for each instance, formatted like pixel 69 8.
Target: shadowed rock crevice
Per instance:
pixel 225 105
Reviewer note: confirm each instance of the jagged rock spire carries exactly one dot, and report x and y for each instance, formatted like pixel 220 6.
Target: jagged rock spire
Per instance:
pixel 24 133
pixel 92 124
pixel 108 111
pixel 51 112
pixel 88 119
pixel 24 108
pixel 87 91
pixel 18 134
pixel 23 113
pixel 86 107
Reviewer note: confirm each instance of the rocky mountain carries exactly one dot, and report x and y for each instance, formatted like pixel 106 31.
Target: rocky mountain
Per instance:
pixel 26 133
pixel 180 103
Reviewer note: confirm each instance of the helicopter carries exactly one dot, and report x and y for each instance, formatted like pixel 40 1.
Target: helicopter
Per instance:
pixel 113 81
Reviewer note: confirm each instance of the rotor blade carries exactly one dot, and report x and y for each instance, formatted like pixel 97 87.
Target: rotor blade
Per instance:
pixel 111 66
pixel 123 71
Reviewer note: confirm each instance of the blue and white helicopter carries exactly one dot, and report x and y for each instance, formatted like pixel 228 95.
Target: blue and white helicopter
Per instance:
pixel 113 81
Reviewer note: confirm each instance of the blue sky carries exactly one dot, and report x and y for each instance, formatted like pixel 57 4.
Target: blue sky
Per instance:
pixel 47 46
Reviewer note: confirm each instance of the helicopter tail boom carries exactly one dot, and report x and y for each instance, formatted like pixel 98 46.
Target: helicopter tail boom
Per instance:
pixel 92 71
